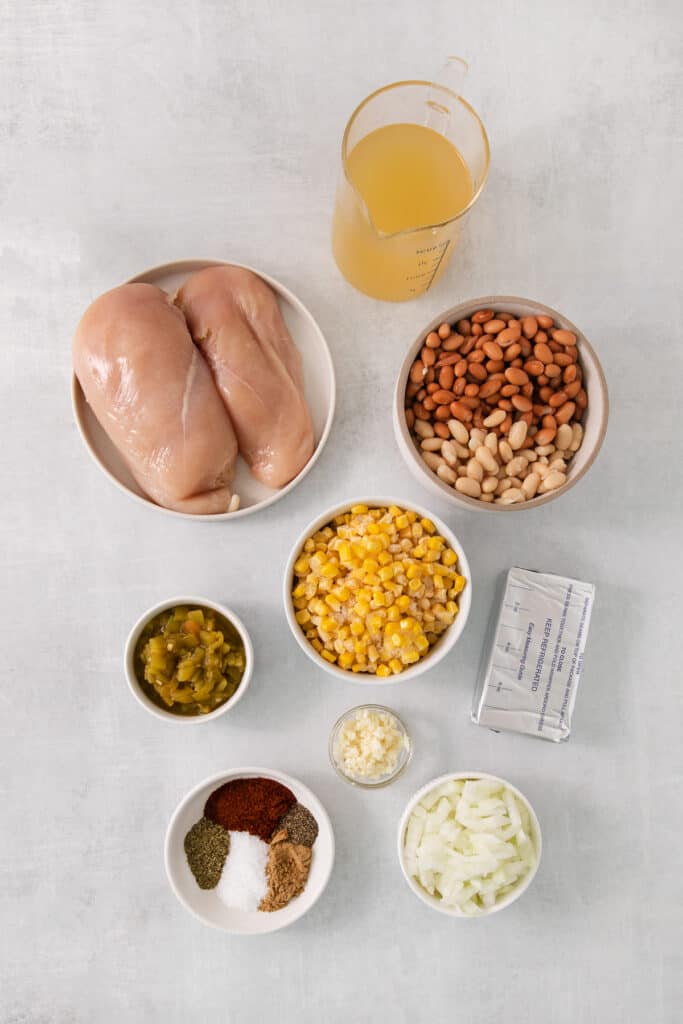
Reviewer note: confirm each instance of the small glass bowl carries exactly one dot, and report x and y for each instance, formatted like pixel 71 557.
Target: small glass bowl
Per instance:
pixel 370 782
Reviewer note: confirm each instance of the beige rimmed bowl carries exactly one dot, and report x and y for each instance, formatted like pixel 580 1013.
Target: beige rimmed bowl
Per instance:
pixel 134 683
pixel 319 386
pixel 594 422
pixel 446 641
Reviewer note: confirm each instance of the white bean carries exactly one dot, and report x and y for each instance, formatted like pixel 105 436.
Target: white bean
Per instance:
pixel 486 497
pixel 423 429
pixel 466 485
pixel 545 449
pixel 494 418
pixel 431 444
pixel 552 480
pixel 517 435
pixel 512 495
pixel 449 452
pixel 459 431
pixel 475 470
pixel 516 465
pixel 563 437
pixel 446 474
pixel 483 455
pixel 491 442
pixel 433 460
pixel 577 437
pixel 560 464
pixel 489 484
pixel 477 437
pixel 530 485
pixel 505 451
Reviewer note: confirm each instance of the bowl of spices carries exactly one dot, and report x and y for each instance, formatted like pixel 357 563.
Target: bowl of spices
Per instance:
pixel 188 660
pixel 249 851
pixel 370 746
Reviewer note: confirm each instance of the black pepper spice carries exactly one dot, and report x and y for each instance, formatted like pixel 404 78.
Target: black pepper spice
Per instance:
pixel 301 826
pixel 206 847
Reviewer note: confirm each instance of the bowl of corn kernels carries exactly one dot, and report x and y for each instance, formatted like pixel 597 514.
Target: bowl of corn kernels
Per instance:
pixel 377 590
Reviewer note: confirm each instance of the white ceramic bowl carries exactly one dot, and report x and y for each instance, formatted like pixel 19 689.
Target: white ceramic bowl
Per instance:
pixel 432 901
pixel 205 904
pixel 319 382
pixel 129 660
pixel 594 421
pixel 445 642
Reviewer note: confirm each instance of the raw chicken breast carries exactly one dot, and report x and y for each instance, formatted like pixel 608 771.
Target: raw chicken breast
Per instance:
pixel 153 394
pixel 235 319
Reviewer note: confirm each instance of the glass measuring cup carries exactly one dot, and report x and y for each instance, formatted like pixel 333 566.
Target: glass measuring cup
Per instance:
pixel 396 265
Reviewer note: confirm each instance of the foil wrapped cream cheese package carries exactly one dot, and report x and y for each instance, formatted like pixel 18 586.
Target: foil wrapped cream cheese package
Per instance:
pixel 532 664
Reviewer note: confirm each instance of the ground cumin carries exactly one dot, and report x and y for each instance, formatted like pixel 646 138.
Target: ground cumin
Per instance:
pixel 287 871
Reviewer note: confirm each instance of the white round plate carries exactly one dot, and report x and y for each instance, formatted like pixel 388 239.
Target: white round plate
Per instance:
pixel 319 383
pixel 204 903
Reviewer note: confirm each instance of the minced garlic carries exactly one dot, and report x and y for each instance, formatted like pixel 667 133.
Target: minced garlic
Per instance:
pixel 369 744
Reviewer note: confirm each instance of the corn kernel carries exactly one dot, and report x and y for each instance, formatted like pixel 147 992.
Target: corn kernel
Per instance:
pixel 329 656
pixel 403 602
pixel 303 616
pixel 317 644
pixel 402 522
pixel 361 608
pixel 459 584
pixel 383 671
pixel 332 601
pixel 358 510
pixel 428 525
pixel 395 666
pixel 449 557
pixel 414 585
pixel 357 628
pixel 345 660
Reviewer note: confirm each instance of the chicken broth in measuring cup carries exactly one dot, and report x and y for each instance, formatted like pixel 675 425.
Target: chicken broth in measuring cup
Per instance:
pixel 414 159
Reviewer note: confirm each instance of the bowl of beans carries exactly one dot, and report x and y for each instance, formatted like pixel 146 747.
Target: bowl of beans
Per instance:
pixel 377 591
pixel 500 403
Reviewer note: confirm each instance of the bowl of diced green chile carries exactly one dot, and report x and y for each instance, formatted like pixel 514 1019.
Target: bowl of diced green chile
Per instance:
pixel 188 659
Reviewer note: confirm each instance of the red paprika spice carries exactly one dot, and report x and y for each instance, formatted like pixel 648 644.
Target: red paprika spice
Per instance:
pixel 250 805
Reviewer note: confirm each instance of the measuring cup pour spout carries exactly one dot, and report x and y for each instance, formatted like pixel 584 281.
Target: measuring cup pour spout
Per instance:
pixel 414 160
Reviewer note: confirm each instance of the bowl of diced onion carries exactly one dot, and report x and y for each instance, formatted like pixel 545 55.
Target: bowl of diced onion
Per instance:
pixel 469 844
pixel 403 620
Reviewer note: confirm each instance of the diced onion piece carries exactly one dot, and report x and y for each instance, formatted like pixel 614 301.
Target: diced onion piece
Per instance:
pixel 469 843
